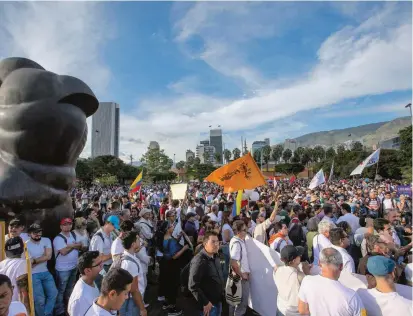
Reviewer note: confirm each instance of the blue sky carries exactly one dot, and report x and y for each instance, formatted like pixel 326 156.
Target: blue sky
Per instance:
pixel 270 69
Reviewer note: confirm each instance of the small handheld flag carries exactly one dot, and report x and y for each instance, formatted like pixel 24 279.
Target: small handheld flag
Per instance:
pixel 136 185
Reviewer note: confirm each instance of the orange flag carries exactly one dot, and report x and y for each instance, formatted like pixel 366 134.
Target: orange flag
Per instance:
pixel 240 174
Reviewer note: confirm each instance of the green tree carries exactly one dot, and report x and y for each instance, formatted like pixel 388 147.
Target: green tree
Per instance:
pixel 205 155
pixel 277 152
pixel 290 168
pixel 180 164
pixel 266 154
pixel 157 164
pixel 319 153
pixel 287 155
pixel 84 172
pixel 227 155
pixel 257 156
pixel 296 158
pixel 107 179
pixel 236 152
pixel 299 152
pixel 305 158
pixel 405 153
pixel 217 157
pixel 197 161
pixel 340 150
pixel 357 146
pixel 330 153
pixel 190 161
pixel 201 171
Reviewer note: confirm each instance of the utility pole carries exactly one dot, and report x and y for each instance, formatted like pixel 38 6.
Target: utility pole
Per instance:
pixel 131 159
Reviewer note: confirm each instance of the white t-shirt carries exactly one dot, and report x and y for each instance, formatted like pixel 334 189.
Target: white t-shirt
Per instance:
pixel 82 297
pixel 103 246
pixel 326 297
pixel 134 269
pixel 359 235
pixel 13 268
pixel 68 262
pixel 280 243
pixel 17 309
pixel 383 304
pixel 408 272
pixel 213 217
pixel 36 250
pixel 231 232
pixel 288 284
pixel 96 310
pixel 352 220
pixel 319 243
pixel 24 236
pixel 84 239
pixel 117 247
pixel 239 253
pixel 348 262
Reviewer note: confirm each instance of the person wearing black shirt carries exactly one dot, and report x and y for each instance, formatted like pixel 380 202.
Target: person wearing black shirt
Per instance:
pixel 206 282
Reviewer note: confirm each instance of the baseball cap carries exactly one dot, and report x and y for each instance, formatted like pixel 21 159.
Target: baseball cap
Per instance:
pixel 289 253
pixel 114 220
pixel 14 246
pixel 16 222
pixel 66 220
pixel 34 228
pixel 380 265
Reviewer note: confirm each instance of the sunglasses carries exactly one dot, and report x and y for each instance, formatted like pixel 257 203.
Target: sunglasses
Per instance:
pixel 97 265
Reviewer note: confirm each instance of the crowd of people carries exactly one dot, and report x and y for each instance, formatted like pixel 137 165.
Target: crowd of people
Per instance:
pixel 118 243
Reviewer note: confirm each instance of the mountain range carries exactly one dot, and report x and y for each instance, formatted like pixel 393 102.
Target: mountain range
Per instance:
pixel 368 135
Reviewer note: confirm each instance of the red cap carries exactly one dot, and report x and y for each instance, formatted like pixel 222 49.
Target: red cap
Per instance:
pixel 66 220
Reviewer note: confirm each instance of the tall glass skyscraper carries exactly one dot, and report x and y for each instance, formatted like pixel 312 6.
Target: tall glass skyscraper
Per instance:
pixel 215 140
pixel 105 130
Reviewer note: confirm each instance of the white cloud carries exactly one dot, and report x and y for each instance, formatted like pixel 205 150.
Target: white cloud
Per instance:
pixel 372 57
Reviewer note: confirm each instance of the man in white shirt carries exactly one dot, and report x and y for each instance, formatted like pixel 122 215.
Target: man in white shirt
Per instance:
pixel 7 306
pixel 324 295
pixel 117 248
pixel 260 230
pixel 240 265
pixel 66 250
pixel 321 240
pixel 14 266
pixel 328 213
pixel 115 290
pixel 102 242
pixel 144 224
pixel 134 305
pixel 340 241
pixel 16 228
pixel 348 217
pixel 85 291
pixel 44 287
pixel 383 299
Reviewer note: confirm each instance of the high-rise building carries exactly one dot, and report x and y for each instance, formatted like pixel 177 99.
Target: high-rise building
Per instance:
pixel 105 130
pixel 267 141
pixel 154 145
pixel 204 142
pixel 290 144
pixel 189 154
pixel 257 145
pixel 215 140
pixel 210 150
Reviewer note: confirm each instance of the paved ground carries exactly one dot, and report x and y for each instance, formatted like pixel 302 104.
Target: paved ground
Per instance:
pixel 187 304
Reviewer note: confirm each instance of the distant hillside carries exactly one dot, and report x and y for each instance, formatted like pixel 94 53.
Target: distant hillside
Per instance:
pixel 369 134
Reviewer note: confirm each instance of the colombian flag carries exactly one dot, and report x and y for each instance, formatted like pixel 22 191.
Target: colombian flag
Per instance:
pixel 136 185
pixel 236 208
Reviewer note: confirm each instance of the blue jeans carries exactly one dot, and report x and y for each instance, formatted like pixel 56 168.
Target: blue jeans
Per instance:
pixel 65 283
pixel 215 310
pixel 129 308
pixel 44 292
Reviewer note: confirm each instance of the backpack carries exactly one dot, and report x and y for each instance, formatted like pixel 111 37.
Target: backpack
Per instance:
pixel 100 235
pixel 65 240
pixel 118 262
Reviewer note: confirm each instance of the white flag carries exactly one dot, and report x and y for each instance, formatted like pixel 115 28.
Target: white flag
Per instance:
pixel 369 161
pixel 178 227
pixel 317 180
pixel 275 183
pixel 330 177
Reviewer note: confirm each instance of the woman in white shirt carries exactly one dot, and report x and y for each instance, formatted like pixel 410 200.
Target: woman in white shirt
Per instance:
pixel 288 280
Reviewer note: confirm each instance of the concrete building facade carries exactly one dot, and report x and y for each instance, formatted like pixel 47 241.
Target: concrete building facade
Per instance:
pixel 105 130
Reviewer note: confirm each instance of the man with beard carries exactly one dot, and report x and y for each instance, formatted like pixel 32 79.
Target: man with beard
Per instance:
pixel 44 288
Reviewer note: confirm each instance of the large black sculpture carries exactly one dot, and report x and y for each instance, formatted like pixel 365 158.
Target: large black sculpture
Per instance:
pixel 42 132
